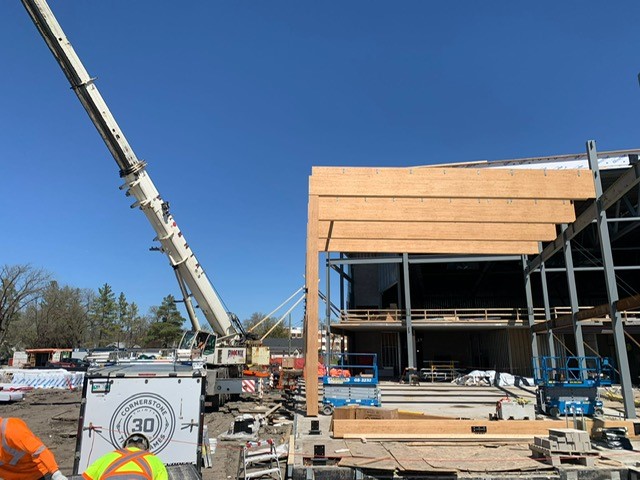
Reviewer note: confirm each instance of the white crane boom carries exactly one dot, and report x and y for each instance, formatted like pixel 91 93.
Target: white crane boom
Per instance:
pixel 137 181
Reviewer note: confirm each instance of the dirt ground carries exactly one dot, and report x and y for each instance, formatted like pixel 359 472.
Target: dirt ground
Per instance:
pixel 53 416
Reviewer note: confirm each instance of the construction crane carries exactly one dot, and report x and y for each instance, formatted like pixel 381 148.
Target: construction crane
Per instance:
pixel 229 348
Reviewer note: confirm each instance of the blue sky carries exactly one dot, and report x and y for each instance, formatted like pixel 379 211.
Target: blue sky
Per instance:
pixel 232 103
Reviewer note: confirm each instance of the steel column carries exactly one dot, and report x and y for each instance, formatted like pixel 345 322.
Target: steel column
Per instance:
pixel 547 307
pixel 328 318
pixel 341 288
pixel 612 286
pixel 573 292
pixel 411 344
pixel 530 314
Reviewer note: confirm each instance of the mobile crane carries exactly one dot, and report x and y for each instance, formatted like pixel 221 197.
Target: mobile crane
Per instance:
pixel 225 350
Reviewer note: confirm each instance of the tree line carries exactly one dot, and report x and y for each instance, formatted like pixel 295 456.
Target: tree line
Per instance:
pixel 37 312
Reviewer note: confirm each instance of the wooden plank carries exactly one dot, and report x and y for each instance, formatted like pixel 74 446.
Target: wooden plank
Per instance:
pixel 411 428
pixel 445 210
pixel 451 437
pixel 453 182
pixel 291 454
pixel 437 231
pixel 311 320
pixel 427 246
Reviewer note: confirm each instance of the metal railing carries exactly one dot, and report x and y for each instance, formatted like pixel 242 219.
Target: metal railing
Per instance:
pixel 510 316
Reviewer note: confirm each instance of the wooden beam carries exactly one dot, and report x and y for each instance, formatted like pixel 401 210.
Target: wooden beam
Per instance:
pixel 440 427
pixel 311 320
pixel 565 321
pixel 437 231
pixel 453 182
pixel 445 210
pixel 426 246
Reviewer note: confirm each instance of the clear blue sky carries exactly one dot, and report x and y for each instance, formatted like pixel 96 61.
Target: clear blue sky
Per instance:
pixel 232 103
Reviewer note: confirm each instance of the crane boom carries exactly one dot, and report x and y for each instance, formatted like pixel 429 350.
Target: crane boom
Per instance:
pixel 137 181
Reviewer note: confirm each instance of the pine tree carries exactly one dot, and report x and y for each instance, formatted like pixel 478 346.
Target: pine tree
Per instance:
pixel 103 314
pixel 166 329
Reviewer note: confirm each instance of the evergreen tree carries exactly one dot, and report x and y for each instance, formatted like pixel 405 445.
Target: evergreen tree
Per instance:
pixel 103 314
pixel 269 325
pixel 166 326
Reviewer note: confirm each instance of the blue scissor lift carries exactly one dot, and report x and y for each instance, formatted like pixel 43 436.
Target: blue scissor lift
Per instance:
pixel 569 385
pixel 354 382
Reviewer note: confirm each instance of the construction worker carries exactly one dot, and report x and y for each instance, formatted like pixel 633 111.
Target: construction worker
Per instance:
pixel 23 456
pixel 133 462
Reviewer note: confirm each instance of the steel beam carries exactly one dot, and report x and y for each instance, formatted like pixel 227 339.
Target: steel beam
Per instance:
pixel 593 269
pixel 622 185
pixel 547 309
pixel 530 315
pixel 612 287
pixel 573 293
pixel 420 259
pixel 411 345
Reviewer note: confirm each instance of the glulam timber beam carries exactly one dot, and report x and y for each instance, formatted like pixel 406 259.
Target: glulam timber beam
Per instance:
pixel 462 247
pixel 452 182
pixel 445 210
pixel 436 231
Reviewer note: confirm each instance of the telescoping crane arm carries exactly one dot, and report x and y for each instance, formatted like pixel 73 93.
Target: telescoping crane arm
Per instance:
pixel 137 181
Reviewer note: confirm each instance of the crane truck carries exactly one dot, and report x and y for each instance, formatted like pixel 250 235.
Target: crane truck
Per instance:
pixel 225 350
pixel 164 401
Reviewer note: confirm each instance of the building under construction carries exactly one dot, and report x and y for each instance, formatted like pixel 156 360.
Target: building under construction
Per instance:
pixel 478 265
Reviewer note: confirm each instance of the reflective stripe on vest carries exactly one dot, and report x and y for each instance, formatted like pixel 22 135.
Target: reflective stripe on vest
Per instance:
pixel 17 454
pixel 129 456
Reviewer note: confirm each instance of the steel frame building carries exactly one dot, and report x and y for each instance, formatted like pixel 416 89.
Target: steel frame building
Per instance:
pixel 527 214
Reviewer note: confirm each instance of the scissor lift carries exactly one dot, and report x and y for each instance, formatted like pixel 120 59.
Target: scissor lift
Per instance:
pixel 569 385
pixel 351 380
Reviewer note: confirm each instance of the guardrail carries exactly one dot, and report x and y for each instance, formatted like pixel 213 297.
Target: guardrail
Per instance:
pixel 471 315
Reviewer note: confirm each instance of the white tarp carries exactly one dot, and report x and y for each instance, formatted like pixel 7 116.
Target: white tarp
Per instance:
pixel 488 377
pixel 45 378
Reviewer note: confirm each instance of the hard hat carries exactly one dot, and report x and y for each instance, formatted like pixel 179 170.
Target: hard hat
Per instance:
pixel 137 438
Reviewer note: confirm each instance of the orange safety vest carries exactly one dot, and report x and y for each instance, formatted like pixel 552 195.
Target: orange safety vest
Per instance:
pixel 23 456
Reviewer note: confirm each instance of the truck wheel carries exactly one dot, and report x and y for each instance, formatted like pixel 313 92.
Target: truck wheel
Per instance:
pixel 598 412
pixel 554 412
pixel 327 409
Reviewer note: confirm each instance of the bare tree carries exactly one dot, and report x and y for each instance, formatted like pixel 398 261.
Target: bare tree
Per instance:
pixel 20 285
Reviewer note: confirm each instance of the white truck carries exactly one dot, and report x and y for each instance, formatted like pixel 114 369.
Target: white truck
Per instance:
pixel 227 349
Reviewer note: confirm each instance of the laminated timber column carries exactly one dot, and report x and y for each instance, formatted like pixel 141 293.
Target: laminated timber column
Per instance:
pixel 612 286
pixel 311 320
pixel 530 313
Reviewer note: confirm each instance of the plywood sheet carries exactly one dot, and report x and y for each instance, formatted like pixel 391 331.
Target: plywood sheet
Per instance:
pixel 477 458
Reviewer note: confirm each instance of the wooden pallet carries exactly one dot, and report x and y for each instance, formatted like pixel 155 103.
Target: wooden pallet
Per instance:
pixel 556 459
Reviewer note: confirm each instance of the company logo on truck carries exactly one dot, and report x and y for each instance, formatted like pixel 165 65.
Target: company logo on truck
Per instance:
pixel 145 413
